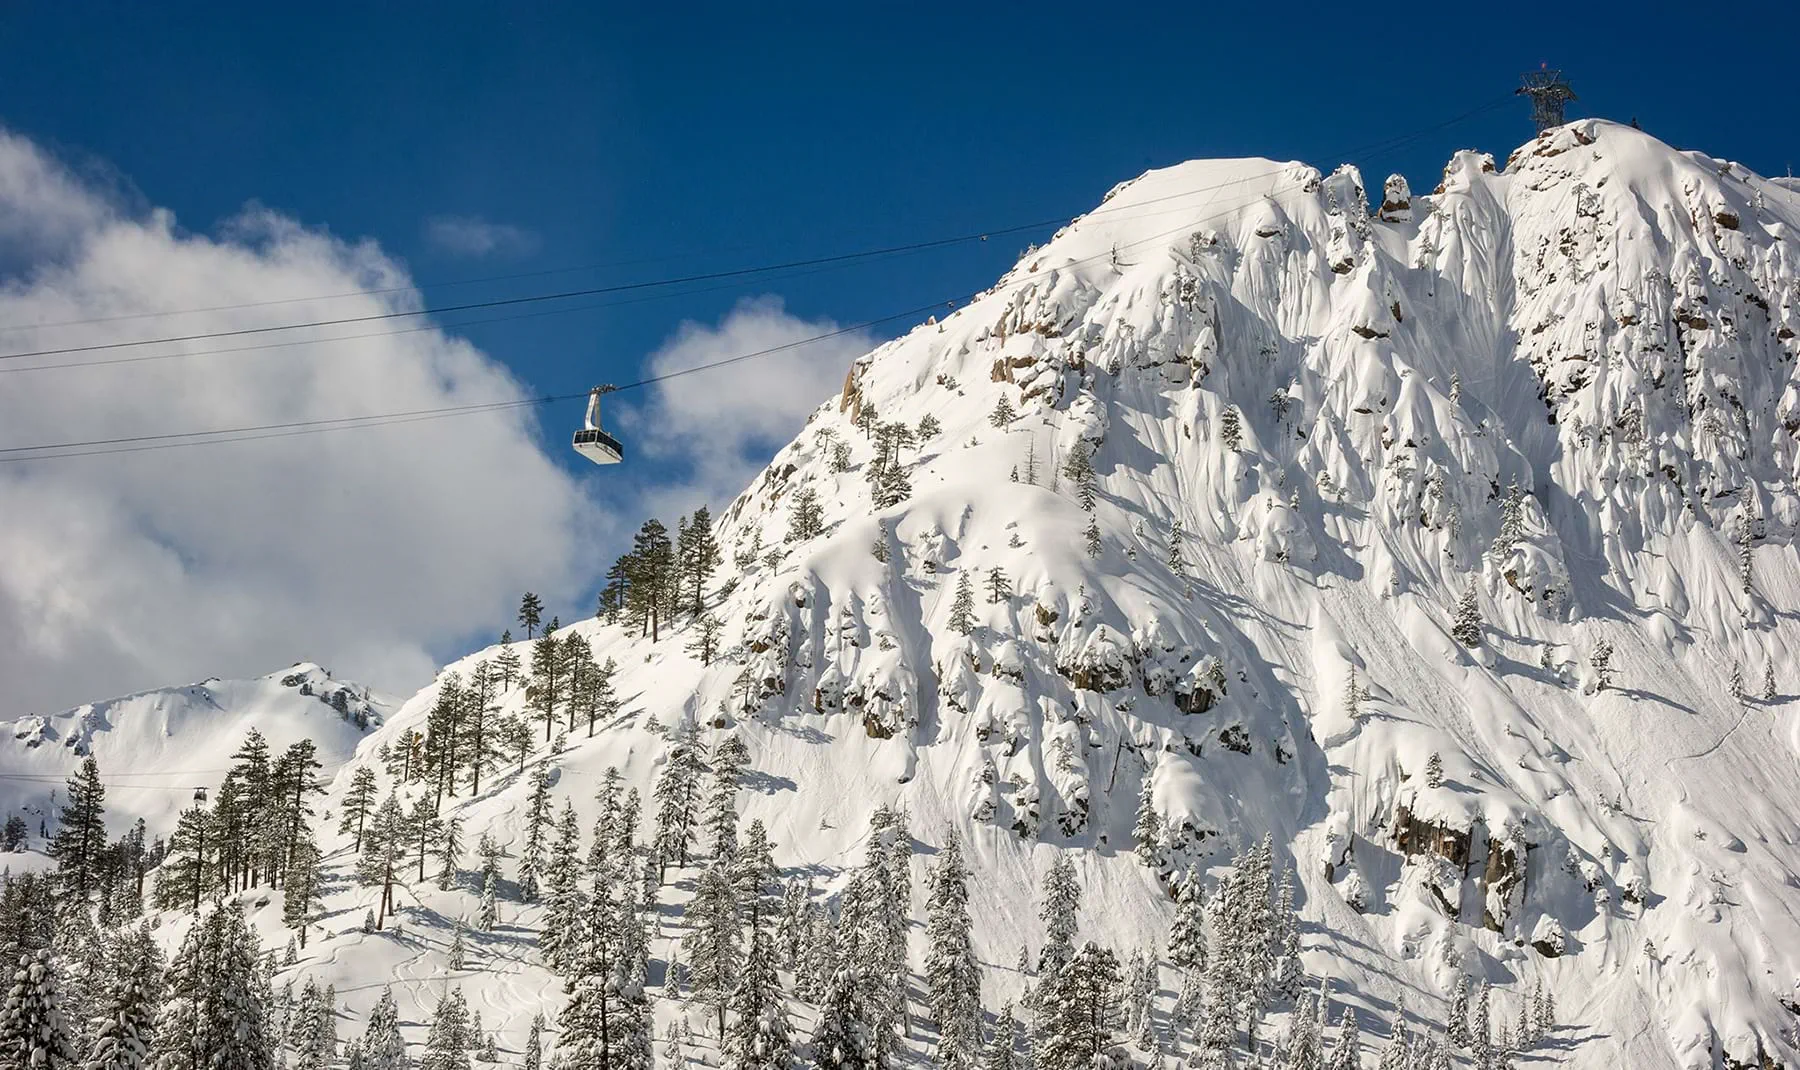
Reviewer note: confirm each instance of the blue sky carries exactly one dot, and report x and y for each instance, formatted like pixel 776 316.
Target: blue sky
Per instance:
pixel 470 144
pixel 741 134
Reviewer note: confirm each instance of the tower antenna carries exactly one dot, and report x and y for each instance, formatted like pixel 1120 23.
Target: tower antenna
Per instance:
pixel 1548 91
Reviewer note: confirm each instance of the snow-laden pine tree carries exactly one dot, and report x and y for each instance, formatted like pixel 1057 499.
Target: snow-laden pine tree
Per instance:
pixel 487 914
pixel 952 975
pixel 1079 1010
pixel 383 1048
pixel 759 1038
pixel 677 790
pixel 1601 662
pixel 1058 903
pixel 560 930
pixel 841 1040
pixel 1346 1050
pixel 33 1033
pixel 447 1039
pixel 999 588
pixel 215 1016
pixel 1434 770
pixel 962 606
pixel 1466 629
pixel 534 1044
pixel 1231 429
pixel 1090 538
pixel 712 944
pixel 729 759
pixel 1457 1024
pixel 1146 828
pixel 1001 1050
pixel 806 519
pixel 1302 1046
pixel 1003 413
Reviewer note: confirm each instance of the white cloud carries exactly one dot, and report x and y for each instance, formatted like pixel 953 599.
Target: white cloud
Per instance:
pixel 365 550
pixel 474 237
pixel 724 424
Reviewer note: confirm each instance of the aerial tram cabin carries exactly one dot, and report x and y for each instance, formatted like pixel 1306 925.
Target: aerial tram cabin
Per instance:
pixel 593 442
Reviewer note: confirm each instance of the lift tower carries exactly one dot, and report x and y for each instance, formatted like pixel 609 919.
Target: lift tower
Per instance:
pixel 1548 91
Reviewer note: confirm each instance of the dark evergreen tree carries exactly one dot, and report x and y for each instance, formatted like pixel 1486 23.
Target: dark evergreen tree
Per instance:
pixel 537 819
pixel 807 518
pixel 962 607
pixel 531 611
pixel 729 757
pixel 759 1038
pixel 549 680
pixel 359 803
pixel 699 553
pixel 384 848
pixel 302 890
pixel 81 831
pixel 507 663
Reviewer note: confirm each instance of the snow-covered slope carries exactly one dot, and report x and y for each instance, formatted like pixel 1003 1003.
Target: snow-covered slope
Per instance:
pixel 154 748
pixel 1306 416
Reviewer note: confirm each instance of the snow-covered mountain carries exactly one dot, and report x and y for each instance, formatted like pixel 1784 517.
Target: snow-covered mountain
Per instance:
pixel 1560 393
pixel 154 748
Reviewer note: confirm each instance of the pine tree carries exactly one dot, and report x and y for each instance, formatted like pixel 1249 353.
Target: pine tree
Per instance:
pixel 1302 1048
pixel 705 644
pixel 302 896
pixel 1187 934
pixel 1746 538
pixel 81 833
pixel 383 1048
pixel 929 427
pixel 676 788
pixel 1177 542
pixel 1000 1053
pixel 121 1043
pixel 384 847
pixel 1399 1053
pixel 729 758
pixel 1601 660
pixel 1768 682
pixel 952 975
pixel 450 847
pixel 1057 908
pixel 1734 684
pixel 32 1031
pixel 1146 831
pixel 537 819
pixel 759 1037
pixel 1481 1028
pixel 531 612
pixel 487 915
pixel 1082 1010
pixel 534 1044
pixel 447 1041
pixel 1512 522
pixel 1434 771
pixel 1003 413
pixel 1090 537
pixel 1457 1025
pixel 1346 1053
pixel 711 944
pixel 459 948
pixel 1231 429
pixel 999 588
pixel 1467 628
pixel 698 552
pixel 841 1041
pixel 807 519
pixel 560 933
pixel 216 1014
pixel 359 804
pixel 507 663
pixel 962 607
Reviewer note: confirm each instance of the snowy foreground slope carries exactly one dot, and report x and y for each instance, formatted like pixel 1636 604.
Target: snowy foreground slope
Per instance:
pixel 1305 415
